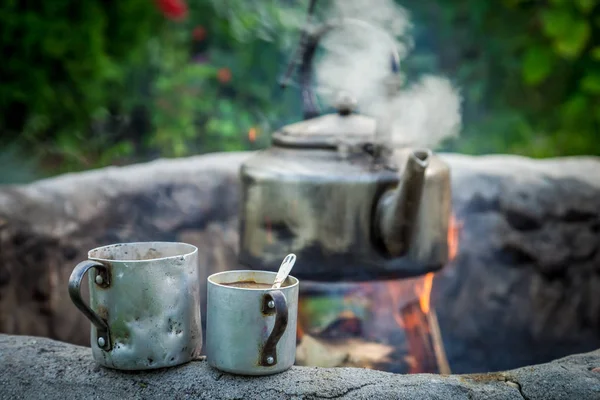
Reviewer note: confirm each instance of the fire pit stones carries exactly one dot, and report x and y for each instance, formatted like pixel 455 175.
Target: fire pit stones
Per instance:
pixel 522 290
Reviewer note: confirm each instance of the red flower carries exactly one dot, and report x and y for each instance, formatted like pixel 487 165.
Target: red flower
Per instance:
pixel 199 33
pixel 224 75
pixel 173 9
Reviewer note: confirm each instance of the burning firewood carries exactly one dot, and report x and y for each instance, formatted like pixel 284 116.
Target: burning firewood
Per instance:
pixel 424 340
pixel 416 346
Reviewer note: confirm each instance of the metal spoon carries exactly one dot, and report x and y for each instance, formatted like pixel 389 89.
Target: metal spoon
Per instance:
pixel 284 270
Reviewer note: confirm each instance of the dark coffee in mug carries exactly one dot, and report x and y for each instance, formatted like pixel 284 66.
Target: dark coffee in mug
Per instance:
pixel 248 285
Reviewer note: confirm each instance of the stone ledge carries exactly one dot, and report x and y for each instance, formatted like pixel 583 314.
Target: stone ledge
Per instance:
pixel 39 368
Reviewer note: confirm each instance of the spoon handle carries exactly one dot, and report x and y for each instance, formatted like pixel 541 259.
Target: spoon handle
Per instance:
pixel 284 270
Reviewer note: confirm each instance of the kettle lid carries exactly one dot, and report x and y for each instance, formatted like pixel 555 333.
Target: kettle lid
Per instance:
pixel 327 131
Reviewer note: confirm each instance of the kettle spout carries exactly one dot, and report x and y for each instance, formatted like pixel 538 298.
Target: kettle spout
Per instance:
pixel 398 208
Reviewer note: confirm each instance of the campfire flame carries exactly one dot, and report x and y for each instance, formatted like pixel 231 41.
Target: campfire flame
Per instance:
pixel 417 349
pixel 424 294
pixel 420 323
pixel 424 291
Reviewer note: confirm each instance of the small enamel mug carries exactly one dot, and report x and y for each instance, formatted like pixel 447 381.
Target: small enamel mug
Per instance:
pixel 251 331
pixel 144 304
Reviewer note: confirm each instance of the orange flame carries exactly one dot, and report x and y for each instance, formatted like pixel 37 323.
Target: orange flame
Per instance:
pixel 252 134
pixel 424 291
pixel 419 321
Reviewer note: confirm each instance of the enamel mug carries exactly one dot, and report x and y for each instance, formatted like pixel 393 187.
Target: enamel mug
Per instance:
pixel 251 331
pixel 144 304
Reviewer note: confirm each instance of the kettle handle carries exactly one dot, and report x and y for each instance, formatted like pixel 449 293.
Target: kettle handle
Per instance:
pixel 309 41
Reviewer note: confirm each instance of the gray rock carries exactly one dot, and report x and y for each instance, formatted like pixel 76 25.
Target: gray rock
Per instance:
pixel 522 290
pixel 39 368
pixel 528 270
pixel 48 226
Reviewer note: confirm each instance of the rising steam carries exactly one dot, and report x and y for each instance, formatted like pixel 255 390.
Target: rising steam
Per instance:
pixel 356 59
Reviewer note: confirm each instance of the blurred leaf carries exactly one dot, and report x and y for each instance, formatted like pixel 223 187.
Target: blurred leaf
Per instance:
pixel 556 22
pixel 229 129
pixel 591 82
pixel 119 150
pixel 574 108
pixel 537 65
pixel 573 41
pixel 585 5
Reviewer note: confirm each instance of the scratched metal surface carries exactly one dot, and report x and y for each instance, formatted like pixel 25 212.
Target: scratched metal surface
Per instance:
pixel 152 305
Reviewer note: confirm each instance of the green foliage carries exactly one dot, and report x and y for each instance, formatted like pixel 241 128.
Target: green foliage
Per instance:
pixel 229 88
pixel 65 59
pixel 529 71
pixel 96 83
pixel 92 83
pixel 537 65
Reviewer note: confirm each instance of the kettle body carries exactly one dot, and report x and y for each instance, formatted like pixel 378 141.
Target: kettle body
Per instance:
pixel 320 198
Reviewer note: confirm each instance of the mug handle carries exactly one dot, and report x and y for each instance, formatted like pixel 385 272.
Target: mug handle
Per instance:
pixel 102 280
pixel 274 303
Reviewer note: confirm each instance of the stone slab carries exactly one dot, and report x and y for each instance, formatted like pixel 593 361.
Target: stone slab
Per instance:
pixel 40 368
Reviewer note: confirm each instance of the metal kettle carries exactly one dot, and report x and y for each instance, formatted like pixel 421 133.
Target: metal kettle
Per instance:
pixel 350 206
